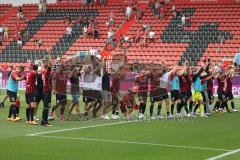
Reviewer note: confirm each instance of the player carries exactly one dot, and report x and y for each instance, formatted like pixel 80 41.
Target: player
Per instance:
pixel 116 76
pixel 75 92
pixel 31 94
pixel 12 89
pixel 127 103
pixel 175 87
pixel 39 90
pixel 228 88
pixel 60 89
pixel 141 85
pixel 154 78
pixel 221 101
pixel 46 92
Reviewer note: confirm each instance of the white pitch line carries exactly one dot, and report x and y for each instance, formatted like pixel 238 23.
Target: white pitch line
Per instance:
pixel 80 128
pixel 224 154
pixel 136 143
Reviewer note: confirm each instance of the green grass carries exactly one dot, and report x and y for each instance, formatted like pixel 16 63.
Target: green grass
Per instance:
pixel 115 142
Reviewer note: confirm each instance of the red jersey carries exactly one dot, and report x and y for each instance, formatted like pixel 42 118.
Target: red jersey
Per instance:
pixel 221 82
pixel 210 85
pixel 115 87
pixel 155 82
pixel 184 83
pixel 61 83
pixel 17 103
pixel 128 99
pixel 141 82
pixel 31 81
pixel 228 85
pixel 46 80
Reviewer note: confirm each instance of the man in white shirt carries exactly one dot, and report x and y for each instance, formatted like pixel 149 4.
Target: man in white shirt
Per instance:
pixel 183 21
pixel 69 30
pixel 128 12
pixel 151 36
pixel 1 30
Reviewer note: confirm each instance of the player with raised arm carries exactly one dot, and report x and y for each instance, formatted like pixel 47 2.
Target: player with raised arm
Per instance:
pixel 228 88
pixel 141 85
pixel 175 88
pixel 47 95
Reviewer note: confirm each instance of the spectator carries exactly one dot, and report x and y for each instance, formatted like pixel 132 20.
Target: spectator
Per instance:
pixel 40 7
pixel 110 35
pixel 156 9
pixel 19 40
pixel 95 33
pixel 174 10
pixel 102 2
pixel 69 30
pixel 85 30
pixel 90 29
pixel 37 42
pixel 111 19
pixel 1 30
pixel 221 41
pixel 20 13
pixel 1 39
pixel 150 5
pixel 44 6
pixel 161 12
pixel 126 38
pixel 128 12
pixel 139 14
pixel 151 36
pixel 183 21
pixel 5 32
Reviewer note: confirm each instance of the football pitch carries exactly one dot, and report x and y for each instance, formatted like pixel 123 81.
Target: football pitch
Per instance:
pixel 216 137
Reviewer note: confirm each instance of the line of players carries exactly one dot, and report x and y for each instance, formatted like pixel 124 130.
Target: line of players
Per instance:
pixel 193 85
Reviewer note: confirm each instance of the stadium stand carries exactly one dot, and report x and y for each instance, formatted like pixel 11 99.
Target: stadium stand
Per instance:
pixel 198 40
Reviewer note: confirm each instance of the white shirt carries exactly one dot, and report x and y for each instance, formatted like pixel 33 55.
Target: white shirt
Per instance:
pixel 183 18
pixel 69 30
pixel 93 82
pixel 1 29
pixel 151 34
pixel 164 80
pixel 85 29
pixel 126 38
pixel 110 34
pixel 128 10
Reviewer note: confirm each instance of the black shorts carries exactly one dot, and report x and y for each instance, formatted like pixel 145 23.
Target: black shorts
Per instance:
pixel 12 96
pixel 184 96
pixel 39 97
pixel 189 94
pixel 229 95
pixel 47 99
pixel 92 95
pixel 31 97
pixel 210 95
pixel 204 96
pixel 142 96
pixel 61 98
pixel 155 98
pixel 221 95
pixel 163 93
pixel 175 95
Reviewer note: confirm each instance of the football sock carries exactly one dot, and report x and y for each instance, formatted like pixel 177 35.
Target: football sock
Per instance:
pixel 232 105
pixel 190 106
pixel 17 110
pixel 28 114
pixel 172 108
pixel 179 106
pixel 10 112
pixel 151 110
pixel 159 110
pixel 216 106
pixel 186 108
pixel 140 107
pixel 14 111
pixel 196 107
pixel 32 114
pixel 143 108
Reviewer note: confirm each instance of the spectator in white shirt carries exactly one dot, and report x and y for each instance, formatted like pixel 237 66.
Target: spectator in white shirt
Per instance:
pixel 69 30
pixel 40 6
pixel 151 36
pixel 1 30
pixel 174 10
pixel 5 32
pixel 128 12
pixel 183 21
